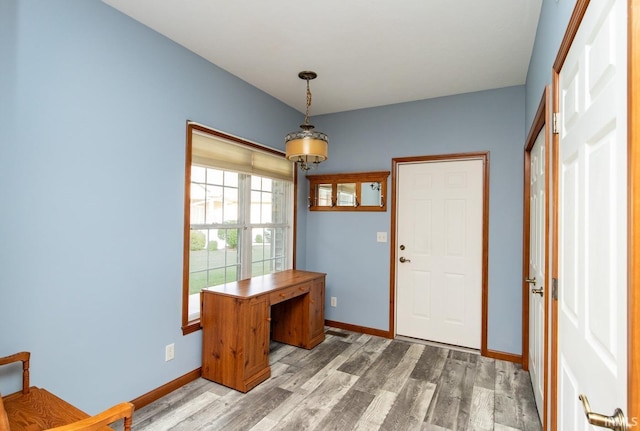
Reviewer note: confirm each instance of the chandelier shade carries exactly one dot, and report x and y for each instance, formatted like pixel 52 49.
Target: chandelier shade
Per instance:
pixel 307 147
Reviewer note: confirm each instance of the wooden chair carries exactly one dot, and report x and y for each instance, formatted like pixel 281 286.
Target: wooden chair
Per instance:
pixel 36 409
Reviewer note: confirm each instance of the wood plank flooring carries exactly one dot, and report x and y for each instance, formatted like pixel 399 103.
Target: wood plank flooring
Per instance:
pixel 354 381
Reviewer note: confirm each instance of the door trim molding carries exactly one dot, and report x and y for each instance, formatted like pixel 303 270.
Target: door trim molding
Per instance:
pixel 484 156
pixel 633 114
pixel 539 122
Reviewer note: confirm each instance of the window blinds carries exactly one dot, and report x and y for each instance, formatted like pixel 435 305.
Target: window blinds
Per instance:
pixel 216 152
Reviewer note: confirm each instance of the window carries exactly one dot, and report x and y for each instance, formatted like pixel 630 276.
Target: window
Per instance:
pixel 239 200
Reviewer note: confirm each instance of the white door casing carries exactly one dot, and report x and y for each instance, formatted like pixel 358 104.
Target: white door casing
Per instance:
pixel 537 256
pixel 439 225
pixel 592 218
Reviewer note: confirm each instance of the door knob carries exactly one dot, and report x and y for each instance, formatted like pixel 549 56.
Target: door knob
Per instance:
pixel 538 291
pixel 403 260
pixel 616 422
pixel 531 280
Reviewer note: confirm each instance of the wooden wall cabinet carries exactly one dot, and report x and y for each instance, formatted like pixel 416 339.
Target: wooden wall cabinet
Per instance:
pixel 363 191
pixel 239 319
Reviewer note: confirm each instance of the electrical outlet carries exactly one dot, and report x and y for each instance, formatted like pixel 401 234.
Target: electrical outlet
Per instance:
pixel 334 301
pixel 169 352
pixel 381 237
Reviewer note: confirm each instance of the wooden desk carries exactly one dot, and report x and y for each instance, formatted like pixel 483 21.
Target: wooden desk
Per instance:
pixel 239 318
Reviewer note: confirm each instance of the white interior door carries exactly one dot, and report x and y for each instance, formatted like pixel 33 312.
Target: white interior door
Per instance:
pixel 537 276
pixel 439 240
pixel 592 226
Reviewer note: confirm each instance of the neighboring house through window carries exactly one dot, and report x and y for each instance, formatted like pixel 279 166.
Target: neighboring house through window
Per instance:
pixel 239 200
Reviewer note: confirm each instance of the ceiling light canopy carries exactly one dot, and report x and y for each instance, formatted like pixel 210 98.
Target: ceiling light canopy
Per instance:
pixel 307 147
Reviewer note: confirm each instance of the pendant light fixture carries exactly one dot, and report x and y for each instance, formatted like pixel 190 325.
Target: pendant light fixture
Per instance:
pixel 307 147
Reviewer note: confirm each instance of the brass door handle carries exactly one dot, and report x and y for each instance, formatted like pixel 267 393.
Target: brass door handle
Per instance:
pixel 531 280
pixel 538 291
pixel 403 260
pixel 616 422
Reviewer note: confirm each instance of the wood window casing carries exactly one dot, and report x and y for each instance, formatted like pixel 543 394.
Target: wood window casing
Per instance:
pixel 188 324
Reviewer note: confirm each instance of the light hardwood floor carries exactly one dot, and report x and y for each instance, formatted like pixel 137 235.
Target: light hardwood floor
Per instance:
pixel 358 382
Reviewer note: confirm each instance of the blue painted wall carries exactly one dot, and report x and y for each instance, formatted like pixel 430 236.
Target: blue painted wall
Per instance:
pixel 7 72
pixel 91 181
pixel 343 244
pixel 92 128
pixel 554 17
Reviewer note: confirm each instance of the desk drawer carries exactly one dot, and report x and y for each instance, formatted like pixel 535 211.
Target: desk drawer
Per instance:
pixel 288 293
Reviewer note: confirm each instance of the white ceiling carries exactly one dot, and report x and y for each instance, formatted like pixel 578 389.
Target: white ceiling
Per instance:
pixel 366 52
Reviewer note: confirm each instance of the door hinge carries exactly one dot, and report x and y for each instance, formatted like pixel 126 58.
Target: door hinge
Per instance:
pixel 555 123
pixel 554 288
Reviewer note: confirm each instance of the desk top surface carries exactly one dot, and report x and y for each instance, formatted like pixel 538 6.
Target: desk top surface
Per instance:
pixel 255 286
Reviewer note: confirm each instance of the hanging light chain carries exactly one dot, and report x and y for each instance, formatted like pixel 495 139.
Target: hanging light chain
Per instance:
pixel 306 116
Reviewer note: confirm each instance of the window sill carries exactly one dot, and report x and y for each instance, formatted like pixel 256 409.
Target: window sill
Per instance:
pixel 192 326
